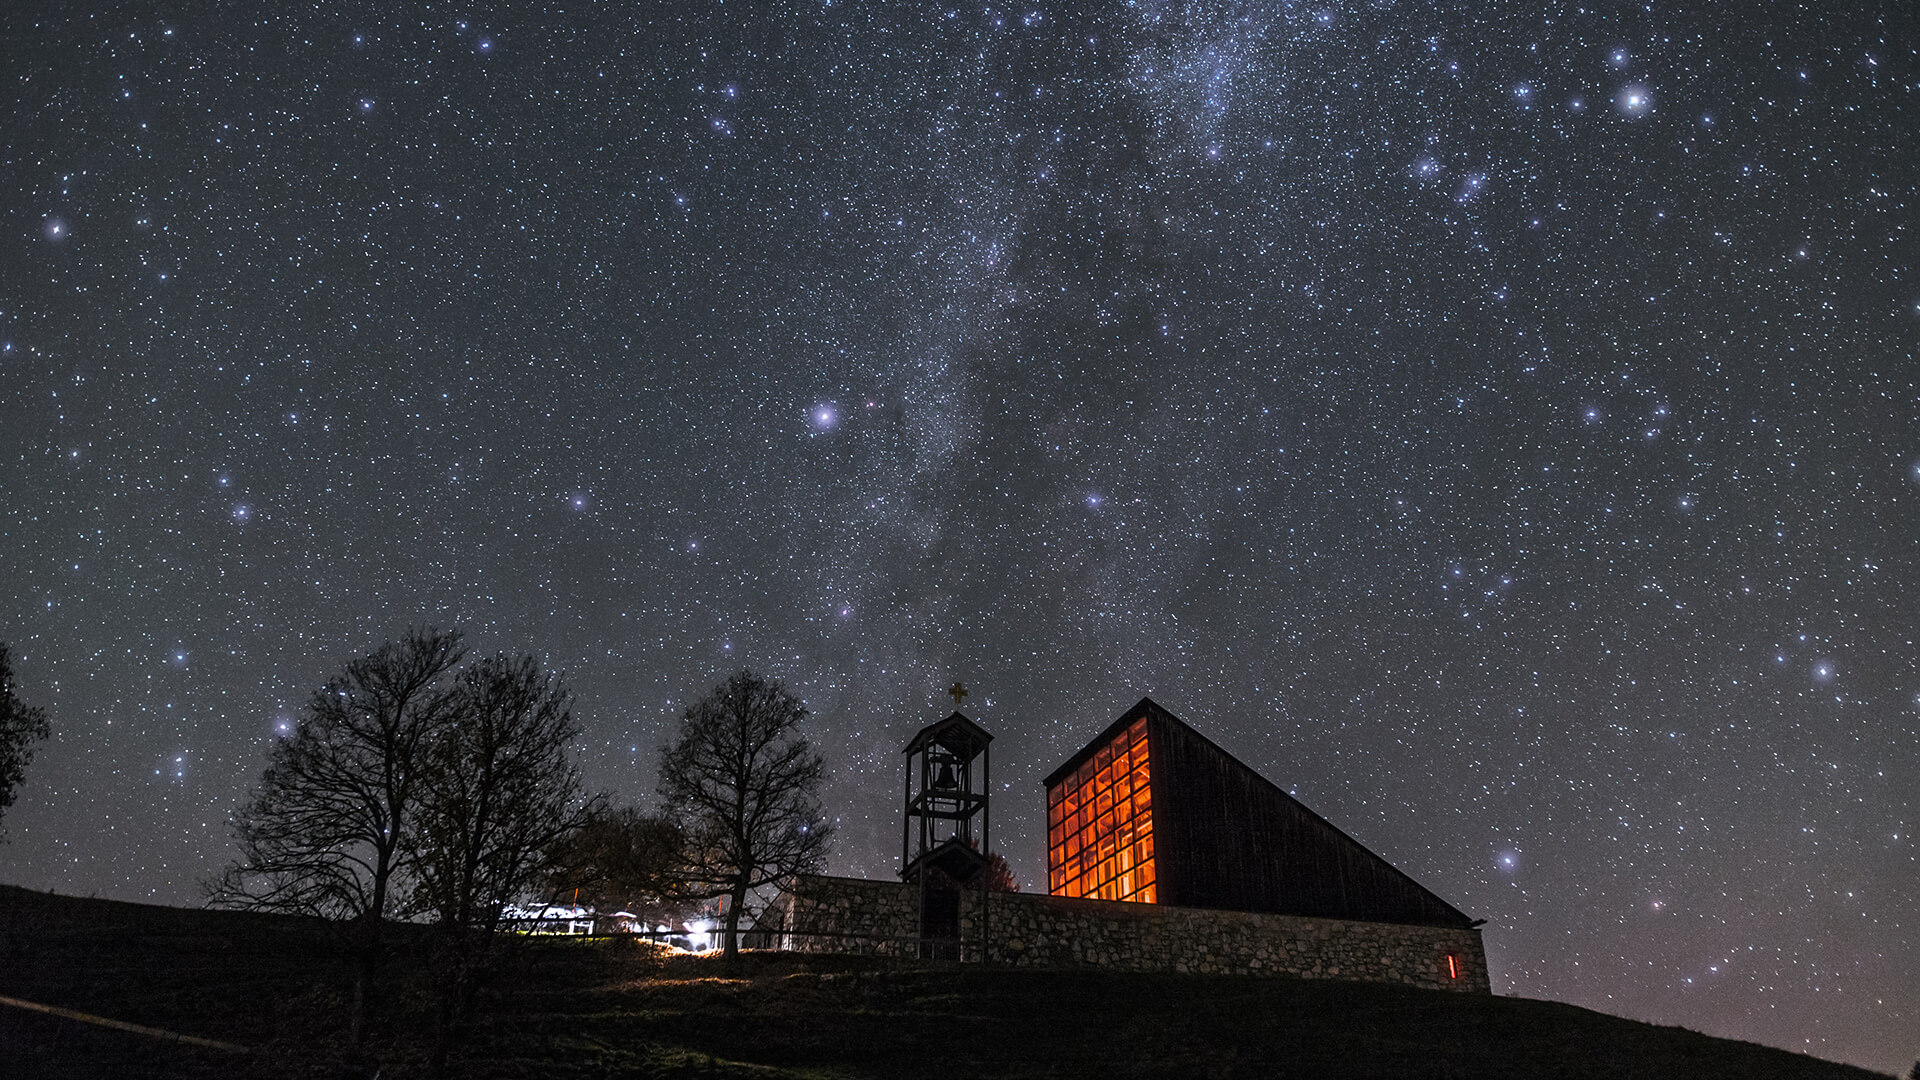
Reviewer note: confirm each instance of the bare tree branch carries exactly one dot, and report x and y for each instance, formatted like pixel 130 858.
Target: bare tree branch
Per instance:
pixel 744 787
pixel 324 832
pixel 497 796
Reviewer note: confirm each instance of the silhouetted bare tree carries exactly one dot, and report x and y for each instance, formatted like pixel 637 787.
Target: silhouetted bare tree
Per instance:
pixel 20 728
pixel 623 857
pixel 744 786
pixel 326 830
pixel 497 795
pixel 999 875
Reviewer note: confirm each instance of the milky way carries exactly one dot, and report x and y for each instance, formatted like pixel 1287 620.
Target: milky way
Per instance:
pixel 1498 425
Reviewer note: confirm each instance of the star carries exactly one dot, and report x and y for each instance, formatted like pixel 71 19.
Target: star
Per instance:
pixel 664 351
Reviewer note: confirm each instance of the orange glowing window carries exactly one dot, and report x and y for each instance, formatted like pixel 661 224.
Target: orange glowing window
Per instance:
pixel 1453 968
pixel 1100 824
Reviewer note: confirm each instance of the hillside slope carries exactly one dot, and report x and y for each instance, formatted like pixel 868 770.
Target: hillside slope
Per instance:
pixel 604 1009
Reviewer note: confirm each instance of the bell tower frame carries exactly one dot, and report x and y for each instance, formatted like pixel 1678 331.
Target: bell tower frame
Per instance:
pixel 943 830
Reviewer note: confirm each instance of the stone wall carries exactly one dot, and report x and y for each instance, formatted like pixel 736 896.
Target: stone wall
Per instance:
pixel 845 915
pixel 828 914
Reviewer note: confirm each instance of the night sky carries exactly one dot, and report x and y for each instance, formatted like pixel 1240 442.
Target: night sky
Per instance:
pixel 1498 424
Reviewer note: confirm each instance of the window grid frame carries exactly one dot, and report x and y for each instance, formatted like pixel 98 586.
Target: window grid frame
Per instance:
pixel 1100 824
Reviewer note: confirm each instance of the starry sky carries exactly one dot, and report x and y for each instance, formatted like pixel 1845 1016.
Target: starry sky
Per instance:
pixel 1497 423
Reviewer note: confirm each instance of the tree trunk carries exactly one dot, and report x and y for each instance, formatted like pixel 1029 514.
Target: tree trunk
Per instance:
pixel 362 994
pixel 735 901
pixel 369 958
pixel 446 1019
pixel 458 992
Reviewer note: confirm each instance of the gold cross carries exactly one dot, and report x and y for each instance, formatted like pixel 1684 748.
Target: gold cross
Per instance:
pixel 958 692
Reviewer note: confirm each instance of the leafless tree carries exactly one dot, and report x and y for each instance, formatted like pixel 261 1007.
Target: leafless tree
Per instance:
pixel 999 875
pixel 623 857
pixel 497 796
pixel 744 786
pixel 20 727
pixel 325 832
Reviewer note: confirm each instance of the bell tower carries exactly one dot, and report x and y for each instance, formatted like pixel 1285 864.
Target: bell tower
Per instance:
pixel 943 832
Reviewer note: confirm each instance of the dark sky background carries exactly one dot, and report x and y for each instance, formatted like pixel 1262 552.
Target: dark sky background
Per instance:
pixel 1498 424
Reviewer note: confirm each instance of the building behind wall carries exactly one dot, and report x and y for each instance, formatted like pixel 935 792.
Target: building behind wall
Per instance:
pixel 850 915
pixel 1167 854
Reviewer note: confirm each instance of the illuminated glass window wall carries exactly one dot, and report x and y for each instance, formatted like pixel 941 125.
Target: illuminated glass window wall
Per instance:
pixel 1100 824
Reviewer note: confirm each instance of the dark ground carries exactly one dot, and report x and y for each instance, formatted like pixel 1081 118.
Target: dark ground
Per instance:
pixel 575 1009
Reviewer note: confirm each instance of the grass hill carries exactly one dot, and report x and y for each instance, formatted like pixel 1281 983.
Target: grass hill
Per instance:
pixel 574 1009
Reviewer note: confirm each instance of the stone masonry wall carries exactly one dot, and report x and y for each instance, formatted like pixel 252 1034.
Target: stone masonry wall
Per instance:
pixel 827 914
pixel 846 915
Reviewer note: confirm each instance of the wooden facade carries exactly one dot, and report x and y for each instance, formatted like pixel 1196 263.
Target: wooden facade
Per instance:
pixel 1153 811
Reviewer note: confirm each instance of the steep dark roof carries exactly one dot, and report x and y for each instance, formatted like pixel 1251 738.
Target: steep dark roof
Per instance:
pixel 1226 837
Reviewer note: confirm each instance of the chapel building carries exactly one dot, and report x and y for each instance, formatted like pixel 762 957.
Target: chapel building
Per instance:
pixel 1164 853
pixel 1153 812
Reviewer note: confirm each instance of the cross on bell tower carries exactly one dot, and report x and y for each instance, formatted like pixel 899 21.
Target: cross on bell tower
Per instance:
pixel 943 832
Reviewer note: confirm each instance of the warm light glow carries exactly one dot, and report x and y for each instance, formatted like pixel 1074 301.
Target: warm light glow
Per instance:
pixel 1100 825
pixel 1453 967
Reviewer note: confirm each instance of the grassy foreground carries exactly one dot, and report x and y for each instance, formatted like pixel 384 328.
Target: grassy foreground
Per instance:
pixel 572 1009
